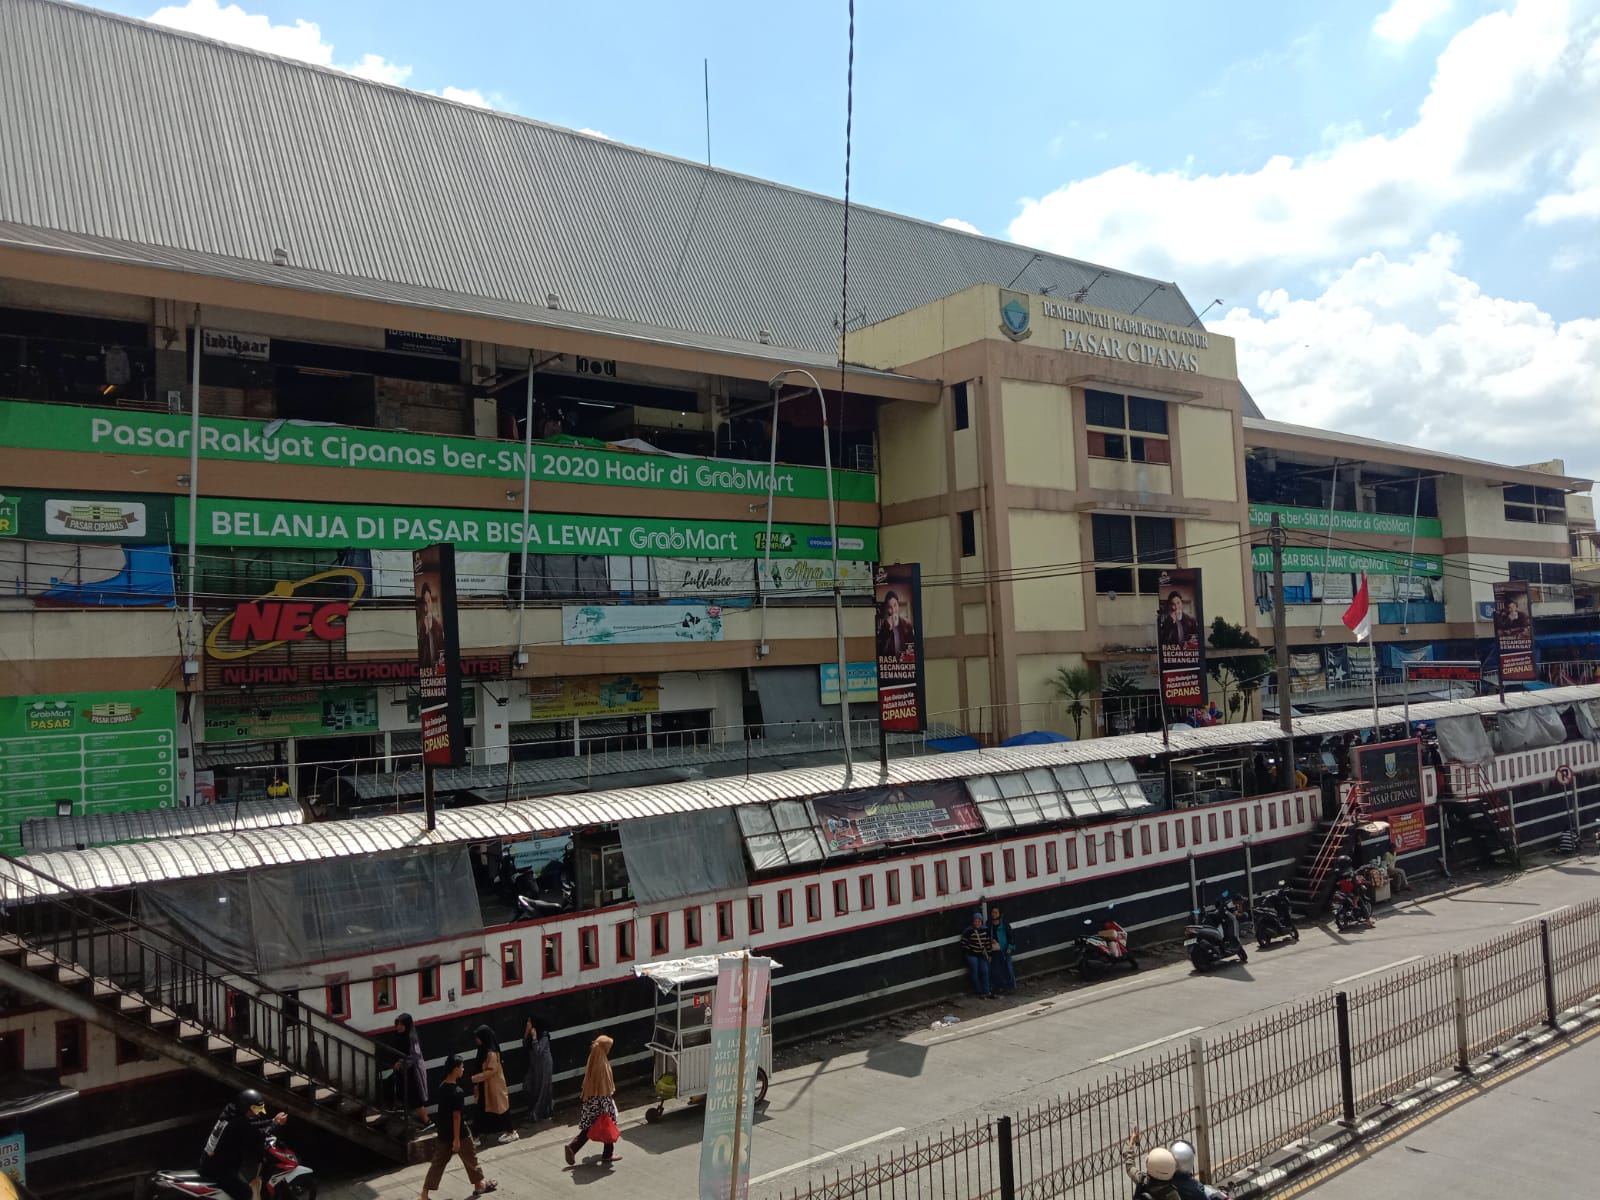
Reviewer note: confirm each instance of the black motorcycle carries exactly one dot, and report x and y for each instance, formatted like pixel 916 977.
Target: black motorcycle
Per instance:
pixel 1352 902
pixel 1211 939
pixel 1273 918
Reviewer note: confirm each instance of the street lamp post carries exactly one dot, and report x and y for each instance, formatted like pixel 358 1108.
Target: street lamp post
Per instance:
pixel 833 543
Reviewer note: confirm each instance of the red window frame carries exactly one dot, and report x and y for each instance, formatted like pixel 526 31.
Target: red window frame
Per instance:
pixel 786 908
pixel 379 974
pixel 1211 827
pixel 1196 835
pixel 757 917
pixel 1127 841
pixel 624 940
pixel 471 964
pixel 588 947
pixel 813 902
pixel 511 965
pixel 964 872
pixel 694 933
pixel 1108 843
pixel 1071 844
pixel 1008 860
pixel 919 882
pixel 891 886
pixel 941 878
pixel 426 969
pixel 986 867
pixel 1091 851
pixel 548 943
pixel 725 920
pixel 80 1030
pixel 1180 833
pixel 1227 822
pixel 336 986
pixel 841 897
pixel 1030 861
pixel 660 935
pixel 1145 843
pixel 1272 815
pixel 1163 838
pixel 1051 862
pixel 869 897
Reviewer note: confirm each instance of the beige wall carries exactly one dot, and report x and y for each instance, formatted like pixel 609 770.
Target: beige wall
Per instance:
pixel 1223 566
pixel 1046 539
pixel 1143 479
pixel 1039 445
pixel 926 542
pixel 1210 451
pixel 974 618
pixel 1041 707
pixel 911 443
pixel 979 697
pixel 943 679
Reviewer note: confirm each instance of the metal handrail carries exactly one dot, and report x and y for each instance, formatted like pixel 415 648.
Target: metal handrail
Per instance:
pixel 197 988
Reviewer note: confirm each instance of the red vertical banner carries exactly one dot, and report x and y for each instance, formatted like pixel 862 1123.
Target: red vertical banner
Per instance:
pixel 902 695
pixel 433 571
pixel 1180 639
pixel 1513 630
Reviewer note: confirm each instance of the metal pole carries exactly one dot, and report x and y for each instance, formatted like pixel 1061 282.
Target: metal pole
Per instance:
pixel 1202 1108
pixel 1372 645
pixel 1347 1080
pixel 1405 689
pixel 772 491
pixel 1194 886
pixel 1280 639
pixel 427 795
pixel 1458 971
pixel 527 495
pixel 1549 975
pixel 1250 879
pixel 1008 1169
pixel 194 465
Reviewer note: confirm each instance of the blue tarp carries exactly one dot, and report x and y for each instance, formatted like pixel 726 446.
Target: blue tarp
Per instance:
pixel 1038 737
pixel 950 745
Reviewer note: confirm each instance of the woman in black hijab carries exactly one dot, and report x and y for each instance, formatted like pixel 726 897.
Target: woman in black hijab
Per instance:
pixel 494 1098
pixel 537 1083
pixel 411 1068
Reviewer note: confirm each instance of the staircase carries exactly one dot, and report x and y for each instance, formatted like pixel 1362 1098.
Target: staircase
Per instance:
pixel 1312 885
pixel 77 954
pixel 1484 811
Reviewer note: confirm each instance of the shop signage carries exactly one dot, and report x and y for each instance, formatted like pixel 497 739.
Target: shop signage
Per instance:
pixel 902 691
pixel 793 575
pixel 593 696
pixel 444 741
pixel 476 574
pixel 14 1157
pixel 340 526
pixel 863 682
pixel 1513 630
pixel 114 431
pixel 1113 335
pixel 278 619
pixel 695 578
pixel 1180 639
pixel 1345 522
pixel 635 624
pixel 57 516
pixel 220 344
pixel 407 342
pixel 94 519
pixel 236 718
pixel 102 751
pixel 737 1017
pixel 1306 672
pixel 1347 562
pixel 8 517
pixel 1392 772
pixel 1408 829
pixel 859 821
pixel 256 674
pixel 1468 672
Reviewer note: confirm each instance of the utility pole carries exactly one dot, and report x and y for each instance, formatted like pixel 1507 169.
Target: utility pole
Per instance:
pixel 1280 647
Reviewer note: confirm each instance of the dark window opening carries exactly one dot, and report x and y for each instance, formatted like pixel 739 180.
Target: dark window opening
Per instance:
pixel 969 534
pixel 958 396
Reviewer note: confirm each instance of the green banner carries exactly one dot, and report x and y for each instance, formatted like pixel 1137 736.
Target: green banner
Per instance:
pixel 68 515
pixel 1344 522
pixel 316 713
pixel 229 439
pixel 382 527
pixel 101 751
pixel 1347 562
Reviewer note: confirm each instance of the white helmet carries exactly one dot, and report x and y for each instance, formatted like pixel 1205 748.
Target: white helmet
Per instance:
pixel 1183 1155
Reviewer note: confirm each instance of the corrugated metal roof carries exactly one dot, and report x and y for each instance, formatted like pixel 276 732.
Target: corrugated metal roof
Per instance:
pixel 144 862
pixel 113 128
pixel 100 829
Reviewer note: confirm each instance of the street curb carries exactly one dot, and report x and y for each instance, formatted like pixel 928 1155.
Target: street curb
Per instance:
pixel 1333 1141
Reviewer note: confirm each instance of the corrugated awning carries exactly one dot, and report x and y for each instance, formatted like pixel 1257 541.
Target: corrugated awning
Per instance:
pixel 104 829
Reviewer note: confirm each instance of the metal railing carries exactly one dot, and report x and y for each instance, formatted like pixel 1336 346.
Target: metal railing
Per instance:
pixel 1256 1092
pixel 201 992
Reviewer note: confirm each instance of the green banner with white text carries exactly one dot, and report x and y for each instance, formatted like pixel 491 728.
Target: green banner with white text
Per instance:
pixel 1344 522
pixel 1347 562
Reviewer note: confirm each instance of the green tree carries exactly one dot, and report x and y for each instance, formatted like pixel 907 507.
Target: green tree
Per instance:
pixel 1073 686
pixel 1238 675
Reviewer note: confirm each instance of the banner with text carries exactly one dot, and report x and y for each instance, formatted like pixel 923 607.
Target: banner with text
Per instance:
pixel 737 1016
pixel 856 821
pixel 1408 828
pixel 1392 772
pixel 1513 630
pixel 792 576
pixel 704 579
pixel 444 739
pixel 639 624
pixel 313 444
pixel 232 717
pixel 1318 519
pixel 1180 639
pixel 902 693
pixel 1347 562
pixel 593 696
pixel 862 677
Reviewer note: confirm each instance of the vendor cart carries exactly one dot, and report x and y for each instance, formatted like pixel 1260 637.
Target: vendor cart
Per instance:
pixel 680 1044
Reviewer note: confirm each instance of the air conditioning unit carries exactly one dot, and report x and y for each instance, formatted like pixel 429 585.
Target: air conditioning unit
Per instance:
pixel 862 457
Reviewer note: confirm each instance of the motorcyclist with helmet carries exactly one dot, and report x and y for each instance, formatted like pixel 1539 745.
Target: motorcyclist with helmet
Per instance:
pixel 1186 1180
pixel 1226 913
pixel 1355 888
pixel 1153 1175
pixel 238 1141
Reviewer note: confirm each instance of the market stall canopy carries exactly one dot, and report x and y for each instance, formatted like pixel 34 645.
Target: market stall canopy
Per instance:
pixel 676 972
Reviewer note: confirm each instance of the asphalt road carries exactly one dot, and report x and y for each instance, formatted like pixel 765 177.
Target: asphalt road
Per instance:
pixel 845 1099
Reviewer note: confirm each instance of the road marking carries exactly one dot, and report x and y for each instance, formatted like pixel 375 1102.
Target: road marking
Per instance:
pixel 1376 970
pixel 1147 1045
pixel 1543 915
pixel 816 1158
pixel 961 1028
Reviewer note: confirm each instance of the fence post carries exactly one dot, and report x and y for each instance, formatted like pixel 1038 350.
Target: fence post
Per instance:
pixel 1202 1108
pixel 1194 886
pixel 1008 1174
pixel 1347 1079
pixel 1549 975
pixel 1459 970
pixel 1250 879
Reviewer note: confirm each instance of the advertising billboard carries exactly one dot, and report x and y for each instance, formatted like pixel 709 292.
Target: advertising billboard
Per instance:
pixel 433 571
pixel 1513 630
pixel 902 696
pixel 1180 639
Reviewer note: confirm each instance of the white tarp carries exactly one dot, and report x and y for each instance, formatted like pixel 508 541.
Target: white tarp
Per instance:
pixel 1463 740
pixel 1530 728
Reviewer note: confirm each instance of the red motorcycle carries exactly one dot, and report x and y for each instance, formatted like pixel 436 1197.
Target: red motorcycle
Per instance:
pixel 283 1177
pixel 1095 952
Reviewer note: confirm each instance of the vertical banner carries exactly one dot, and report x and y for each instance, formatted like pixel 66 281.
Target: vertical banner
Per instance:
pixel 902 697
pixel 1180 649
pixel 1513 630
pixel 433 573
pixel 737 1015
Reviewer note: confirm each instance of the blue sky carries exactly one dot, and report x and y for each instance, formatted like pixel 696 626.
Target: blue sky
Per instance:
pixel 1399 201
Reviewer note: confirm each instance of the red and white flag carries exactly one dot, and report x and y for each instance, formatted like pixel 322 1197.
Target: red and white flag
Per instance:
pixel 1358 617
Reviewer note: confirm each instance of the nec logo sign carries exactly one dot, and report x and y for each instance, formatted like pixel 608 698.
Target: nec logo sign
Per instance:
pixel 276 618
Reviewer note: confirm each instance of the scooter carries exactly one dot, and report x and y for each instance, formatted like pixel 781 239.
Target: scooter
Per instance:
pixel 1273 918
pixel 1210 939
pixel 283 1177
pixel 1101 951
pixel 1352 903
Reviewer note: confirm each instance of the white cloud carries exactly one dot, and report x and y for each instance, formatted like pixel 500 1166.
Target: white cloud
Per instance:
pixel 1570 258
pixel 1514 101
pixel 1409 350
pixel 1403 20
pixel 958 223
pixel 302 40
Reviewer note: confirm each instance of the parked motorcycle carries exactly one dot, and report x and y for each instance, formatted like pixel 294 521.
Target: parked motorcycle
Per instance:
pixel 1273 918
pixel 1211 939
pixel 283 1177
pixel 1095 952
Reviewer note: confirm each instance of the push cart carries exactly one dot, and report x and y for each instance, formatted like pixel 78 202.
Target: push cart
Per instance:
pixel 680 1044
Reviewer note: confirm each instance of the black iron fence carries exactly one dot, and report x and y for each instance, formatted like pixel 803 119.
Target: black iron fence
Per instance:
pixel 1254 1092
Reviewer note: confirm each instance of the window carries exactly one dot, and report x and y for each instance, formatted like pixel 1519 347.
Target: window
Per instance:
pixel 987 864
pixel 1090 857
pixel 725 920
pixel 964 869
pixel 941 878
pixel 1194 830
pixel 785 908
pixel 958 398
pixel 428 981
pixel 338 997
pixel 1163 838
pixel 1127 428
pixel 891 885
pixel 550 955
pixel 10 1052
pixel 1543 506
pixel 841 897
pixel 511 964
pixel 1009 859
pixel 1127 842
pixel 1072 853
pixel 1144 839
pixel 1144 545
pixel 691 926
pixel 383 990
pixel 1548 580
pixel 756 917
pixel 72 1047
pixel 471 973
pixel 588 947
pixel 919 885
pixel 868 899
pixel 779 835
pixel 1178 830
pixel 1211 827
pixel 1227 823
pixel 1110 837
pixel 969 533
pixel 1030 861
pixel 813 902
pixel 130 1052
pixel 1050 863
pixel 625 942
pixel 659 936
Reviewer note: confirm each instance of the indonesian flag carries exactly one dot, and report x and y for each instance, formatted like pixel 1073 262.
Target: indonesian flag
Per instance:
pixel 1358 617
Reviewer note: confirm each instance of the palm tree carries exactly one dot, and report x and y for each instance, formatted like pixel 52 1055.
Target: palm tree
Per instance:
pixel 1072 685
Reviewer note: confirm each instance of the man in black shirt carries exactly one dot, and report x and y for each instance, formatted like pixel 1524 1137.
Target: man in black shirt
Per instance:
pixel 237 1141
pixel 977 946
pixel 454 1137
